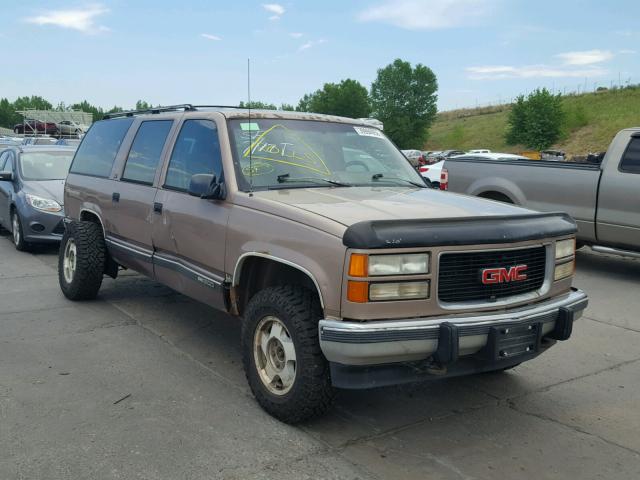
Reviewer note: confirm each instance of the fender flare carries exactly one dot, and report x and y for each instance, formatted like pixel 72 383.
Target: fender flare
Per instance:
pixel 240 262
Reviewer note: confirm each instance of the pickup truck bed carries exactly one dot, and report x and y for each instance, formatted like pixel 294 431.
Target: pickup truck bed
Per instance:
pixel 603 199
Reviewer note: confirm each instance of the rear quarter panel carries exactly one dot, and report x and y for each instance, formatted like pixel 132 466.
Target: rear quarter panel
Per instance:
pixel 538 185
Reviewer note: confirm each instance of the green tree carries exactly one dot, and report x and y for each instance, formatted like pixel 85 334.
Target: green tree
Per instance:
pixel 286 107
pixel 536 121
pixel 8 116
pixel 404 99
pixel 142 105
pixel 349 98
pixel 257 105
pixel 85 106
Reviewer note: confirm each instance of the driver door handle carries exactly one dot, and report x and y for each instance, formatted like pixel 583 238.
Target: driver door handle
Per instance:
pixel 157 207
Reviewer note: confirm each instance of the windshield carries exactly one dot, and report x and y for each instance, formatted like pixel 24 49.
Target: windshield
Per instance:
pixel 275 153
pixel 45 165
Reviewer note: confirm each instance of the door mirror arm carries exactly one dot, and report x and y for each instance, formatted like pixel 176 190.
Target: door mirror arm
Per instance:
pixel 6 176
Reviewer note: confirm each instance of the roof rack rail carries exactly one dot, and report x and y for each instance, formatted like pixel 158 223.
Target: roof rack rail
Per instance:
pixel 222 106
pixel 187 107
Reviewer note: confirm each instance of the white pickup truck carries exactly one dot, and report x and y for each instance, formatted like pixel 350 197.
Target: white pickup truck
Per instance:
pixel 603 199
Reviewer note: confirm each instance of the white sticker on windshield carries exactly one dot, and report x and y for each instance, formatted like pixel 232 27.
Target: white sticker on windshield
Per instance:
pixel 368 132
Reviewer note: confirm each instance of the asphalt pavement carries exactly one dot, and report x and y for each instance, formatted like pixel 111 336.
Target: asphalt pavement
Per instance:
pixel 144 383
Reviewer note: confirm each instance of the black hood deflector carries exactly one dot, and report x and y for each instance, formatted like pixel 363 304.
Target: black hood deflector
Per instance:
pixel 459 231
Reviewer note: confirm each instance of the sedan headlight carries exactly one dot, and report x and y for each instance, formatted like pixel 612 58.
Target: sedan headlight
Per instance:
pixel 43 204
pixel 397 264
pixel 565 248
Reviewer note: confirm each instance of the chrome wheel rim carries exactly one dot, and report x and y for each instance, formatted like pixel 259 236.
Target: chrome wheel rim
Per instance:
pixel 15 226
pixel 274 355
pixel 69 261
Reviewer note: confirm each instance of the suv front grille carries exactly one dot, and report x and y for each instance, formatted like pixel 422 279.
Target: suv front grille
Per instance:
pixel 460 274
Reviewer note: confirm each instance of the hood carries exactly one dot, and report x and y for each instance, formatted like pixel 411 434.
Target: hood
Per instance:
pixel 351 205
pixel 51 189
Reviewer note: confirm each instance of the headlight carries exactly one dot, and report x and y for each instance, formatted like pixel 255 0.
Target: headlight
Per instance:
pixel 565 248
pixel 564 270
pixel 43 204
pixel 398 291
pixel 377 265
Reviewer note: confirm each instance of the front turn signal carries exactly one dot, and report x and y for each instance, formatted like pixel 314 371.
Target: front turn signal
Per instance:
pixel 358 292
pixel 359 265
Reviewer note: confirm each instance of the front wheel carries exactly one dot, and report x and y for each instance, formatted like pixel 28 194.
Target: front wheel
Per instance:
pixel 17 232
pixel 284 365
pixel 81 260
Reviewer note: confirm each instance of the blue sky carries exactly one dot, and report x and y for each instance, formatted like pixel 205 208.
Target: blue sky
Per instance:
pixel 119 51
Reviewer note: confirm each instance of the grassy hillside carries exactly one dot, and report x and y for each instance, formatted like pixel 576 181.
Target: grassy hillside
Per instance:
pixel 592 121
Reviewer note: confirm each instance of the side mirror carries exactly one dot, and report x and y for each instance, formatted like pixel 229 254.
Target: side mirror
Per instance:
pixel 6 176
pixel 206 186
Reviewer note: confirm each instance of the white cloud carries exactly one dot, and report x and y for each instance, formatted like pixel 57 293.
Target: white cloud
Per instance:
pixel 82 20
pixel 496 72
pixel 311 44
pixel 296 34
pixel 275 8
pixel 208 36
pixel 586 57
pixel 427 14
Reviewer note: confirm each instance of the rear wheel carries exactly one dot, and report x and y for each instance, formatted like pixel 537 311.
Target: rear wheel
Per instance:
pixel 81 260
pixel 17 232
pixel 284 365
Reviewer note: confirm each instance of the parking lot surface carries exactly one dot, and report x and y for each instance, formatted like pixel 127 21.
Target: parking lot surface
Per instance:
pixel 146 383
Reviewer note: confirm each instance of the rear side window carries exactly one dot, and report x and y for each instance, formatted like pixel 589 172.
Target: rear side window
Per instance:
pixel 197 150
pixel 631 159
pixel 145 152
pixel 99 148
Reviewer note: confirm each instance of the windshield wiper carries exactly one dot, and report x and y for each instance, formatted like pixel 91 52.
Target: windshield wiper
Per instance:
pixel 378 176
pixel 285 177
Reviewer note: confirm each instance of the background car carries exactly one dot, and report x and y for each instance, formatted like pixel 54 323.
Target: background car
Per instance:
pixel 69 127
pixel 414 156
pixel 69 142
pixel 492 156
pixel 432 172
pixel 45 140
pixel 451 153
pixel 31 193
pixel 30 127
pixel 479 150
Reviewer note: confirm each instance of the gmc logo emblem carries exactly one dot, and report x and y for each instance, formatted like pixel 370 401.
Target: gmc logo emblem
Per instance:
pixel 491 276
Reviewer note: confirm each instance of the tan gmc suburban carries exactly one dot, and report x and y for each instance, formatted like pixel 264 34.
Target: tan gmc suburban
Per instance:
pixel 346 269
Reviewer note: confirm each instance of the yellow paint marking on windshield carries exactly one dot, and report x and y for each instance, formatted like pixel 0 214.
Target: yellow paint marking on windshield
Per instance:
pixel 277 152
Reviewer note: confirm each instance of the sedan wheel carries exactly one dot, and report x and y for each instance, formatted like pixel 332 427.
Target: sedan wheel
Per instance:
pixel 18 237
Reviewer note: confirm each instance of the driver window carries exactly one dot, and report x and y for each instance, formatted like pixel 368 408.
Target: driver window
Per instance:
pixel 197 150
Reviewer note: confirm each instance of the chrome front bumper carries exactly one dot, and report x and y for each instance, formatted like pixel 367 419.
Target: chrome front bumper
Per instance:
pixel 388 341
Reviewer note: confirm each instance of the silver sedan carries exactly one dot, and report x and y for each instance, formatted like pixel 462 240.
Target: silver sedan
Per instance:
pixel 31 193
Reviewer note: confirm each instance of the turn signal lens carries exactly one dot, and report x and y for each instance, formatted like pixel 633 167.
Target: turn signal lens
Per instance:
pixel 564 270
pixel 357 292
pixel 565 248
pixel 399 291
pixel 358 265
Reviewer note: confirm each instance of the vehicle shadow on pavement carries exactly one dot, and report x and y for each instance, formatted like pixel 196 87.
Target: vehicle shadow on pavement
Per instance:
pixel 611 266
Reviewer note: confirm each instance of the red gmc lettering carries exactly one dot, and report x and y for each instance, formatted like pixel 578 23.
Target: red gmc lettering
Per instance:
pixel 492 276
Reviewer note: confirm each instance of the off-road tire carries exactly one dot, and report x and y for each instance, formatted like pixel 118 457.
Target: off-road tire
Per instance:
pixel 90 260
pixel 299 310
pixel 16 222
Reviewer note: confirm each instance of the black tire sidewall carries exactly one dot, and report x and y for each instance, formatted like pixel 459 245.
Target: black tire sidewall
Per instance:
pixel 21 245
pixel 86 281
pixel 298 309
